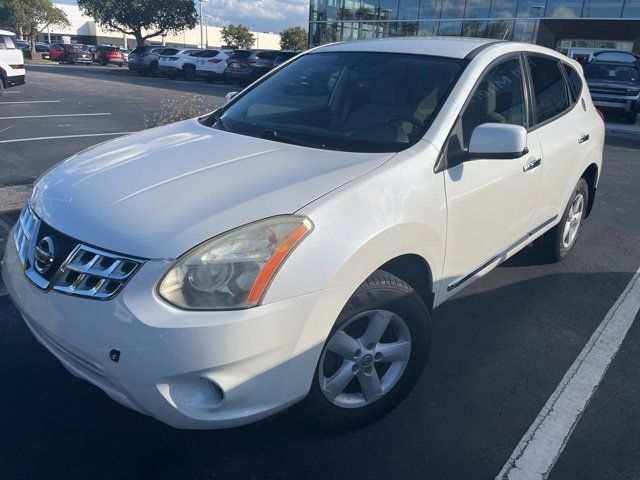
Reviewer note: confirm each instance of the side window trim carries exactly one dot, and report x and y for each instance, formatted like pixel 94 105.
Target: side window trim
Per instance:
pixel 572 104
pixel 566 68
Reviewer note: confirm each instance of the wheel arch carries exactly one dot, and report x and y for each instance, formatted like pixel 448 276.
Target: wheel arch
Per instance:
pixel 415 271
pixel 590 175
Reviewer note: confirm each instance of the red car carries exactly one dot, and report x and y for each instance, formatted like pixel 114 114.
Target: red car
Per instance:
pixel 106 54
pixel 55 52
pixel 74 54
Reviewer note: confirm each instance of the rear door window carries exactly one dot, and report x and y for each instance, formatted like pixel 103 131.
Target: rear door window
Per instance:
pixel 7 42
pixel 208 54
pixel 551 95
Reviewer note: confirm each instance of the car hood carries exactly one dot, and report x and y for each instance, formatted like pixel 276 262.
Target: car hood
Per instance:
pixel 160 192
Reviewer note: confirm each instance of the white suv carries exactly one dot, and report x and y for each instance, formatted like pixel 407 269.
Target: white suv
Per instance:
pixel 11 61
pixel 212 63
pixel 292 245
pixel 174 62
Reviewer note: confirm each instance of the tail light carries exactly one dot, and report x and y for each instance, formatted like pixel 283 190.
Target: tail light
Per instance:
pixel 601 115
pixel 215 60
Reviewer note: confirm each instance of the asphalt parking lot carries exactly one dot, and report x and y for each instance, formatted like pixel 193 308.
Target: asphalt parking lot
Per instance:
pixel 500 348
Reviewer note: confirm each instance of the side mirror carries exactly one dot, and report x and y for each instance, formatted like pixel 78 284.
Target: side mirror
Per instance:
pixel 498 140
pixel 229 97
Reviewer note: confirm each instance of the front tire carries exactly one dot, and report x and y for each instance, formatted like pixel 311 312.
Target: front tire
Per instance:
pixel 560 241
pixel 373 357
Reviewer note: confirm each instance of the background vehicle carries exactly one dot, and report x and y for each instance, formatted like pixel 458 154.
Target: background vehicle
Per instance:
pixel 212 63
pixel 11 61
pixel 125 54
pixel 144 60
pixel 175 62
pixel 284 56
pixel 74 54
pixel 107 54
pixel 246 66
pixel 42 47
pixel 614 82
pixel 23 45
pixel 55 51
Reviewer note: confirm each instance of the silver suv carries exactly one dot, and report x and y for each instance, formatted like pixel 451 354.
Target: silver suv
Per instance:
pixel 144 59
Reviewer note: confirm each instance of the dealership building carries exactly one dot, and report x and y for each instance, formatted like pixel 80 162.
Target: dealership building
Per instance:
pixel 574 27
pixel 86 30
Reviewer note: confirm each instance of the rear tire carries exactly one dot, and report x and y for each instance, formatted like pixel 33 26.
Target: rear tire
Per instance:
pixel 2 87
pixel 559 242
pixel 383 311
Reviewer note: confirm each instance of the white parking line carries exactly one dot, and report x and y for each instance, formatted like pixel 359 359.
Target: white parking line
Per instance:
pixel 57 115
pixel 11 91
pixel 539 449
pixel 115 134
pixel 30 101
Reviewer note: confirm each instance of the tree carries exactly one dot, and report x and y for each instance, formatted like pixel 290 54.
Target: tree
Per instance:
pixel 238 36
pixel 143 19
pixel 28 18
pixel 294 38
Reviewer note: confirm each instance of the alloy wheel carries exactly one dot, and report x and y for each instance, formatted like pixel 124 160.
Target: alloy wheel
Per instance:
pixel 573 220
pixel 364 359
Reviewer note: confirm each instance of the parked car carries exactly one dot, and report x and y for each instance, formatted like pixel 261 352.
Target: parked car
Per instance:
pixel 144 59
pixel 175 62
pixel 284 56
pixel 74 54
pixel 108 55
pixel 246 66
pixel 614 82
pixel 55 52
pixel 125 54
pixel 42 47
pixel 11 61
pixel 23 45
pixel 211 64
pixel 309 228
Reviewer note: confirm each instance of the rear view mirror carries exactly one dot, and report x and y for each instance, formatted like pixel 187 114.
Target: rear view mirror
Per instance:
pixel 498 140
pixel 229 97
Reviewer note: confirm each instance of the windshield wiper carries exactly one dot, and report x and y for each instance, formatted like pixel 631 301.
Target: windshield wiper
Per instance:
pixel 217 120
pixel 276 136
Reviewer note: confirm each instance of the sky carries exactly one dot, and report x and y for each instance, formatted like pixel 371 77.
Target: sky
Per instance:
pixel 258 15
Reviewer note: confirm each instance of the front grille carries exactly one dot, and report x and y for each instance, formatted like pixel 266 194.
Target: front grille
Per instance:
pixel 57 262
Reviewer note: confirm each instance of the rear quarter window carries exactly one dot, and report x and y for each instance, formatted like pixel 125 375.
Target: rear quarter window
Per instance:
pixel 7 42
pixel 575 81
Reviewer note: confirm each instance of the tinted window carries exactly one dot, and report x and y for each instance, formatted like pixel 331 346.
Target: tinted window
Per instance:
pixel 267 55
pixel 499 98
pixel 208 53
pixel 138 50
pixel 612 72
pixel 241 54
pixel 169 51
pixel 575 82
pixel 351 101
pixel 550 89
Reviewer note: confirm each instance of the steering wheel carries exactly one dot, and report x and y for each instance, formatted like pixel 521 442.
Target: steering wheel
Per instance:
pixel 398 118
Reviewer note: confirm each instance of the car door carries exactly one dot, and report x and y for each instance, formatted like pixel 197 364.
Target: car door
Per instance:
pixel 490 200
pixel 563 133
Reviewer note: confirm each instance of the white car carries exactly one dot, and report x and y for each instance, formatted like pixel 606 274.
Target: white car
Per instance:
pixel 292 245
pixel 211 64
pixel 175 63
pixel 12 70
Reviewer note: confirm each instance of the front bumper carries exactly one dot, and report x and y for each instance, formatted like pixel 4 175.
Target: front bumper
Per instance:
pixel 187 369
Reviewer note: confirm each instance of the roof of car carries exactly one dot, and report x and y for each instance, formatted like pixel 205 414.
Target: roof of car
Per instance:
pixel 6 32
pixel 456 47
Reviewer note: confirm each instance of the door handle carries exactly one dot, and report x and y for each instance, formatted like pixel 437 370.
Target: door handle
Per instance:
pixel 583 138
pixel 532 165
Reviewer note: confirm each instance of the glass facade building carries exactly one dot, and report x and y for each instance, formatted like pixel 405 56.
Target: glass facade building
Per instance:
pixel 521 20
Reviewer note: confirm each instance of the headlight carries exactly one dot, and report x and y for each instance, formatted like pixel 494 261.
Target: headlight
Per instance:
pixel 233 270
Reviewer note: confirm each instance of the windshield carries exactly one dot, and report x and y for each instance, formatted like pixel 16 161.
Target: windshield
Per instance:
pixel 349 101
pixel 612 72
